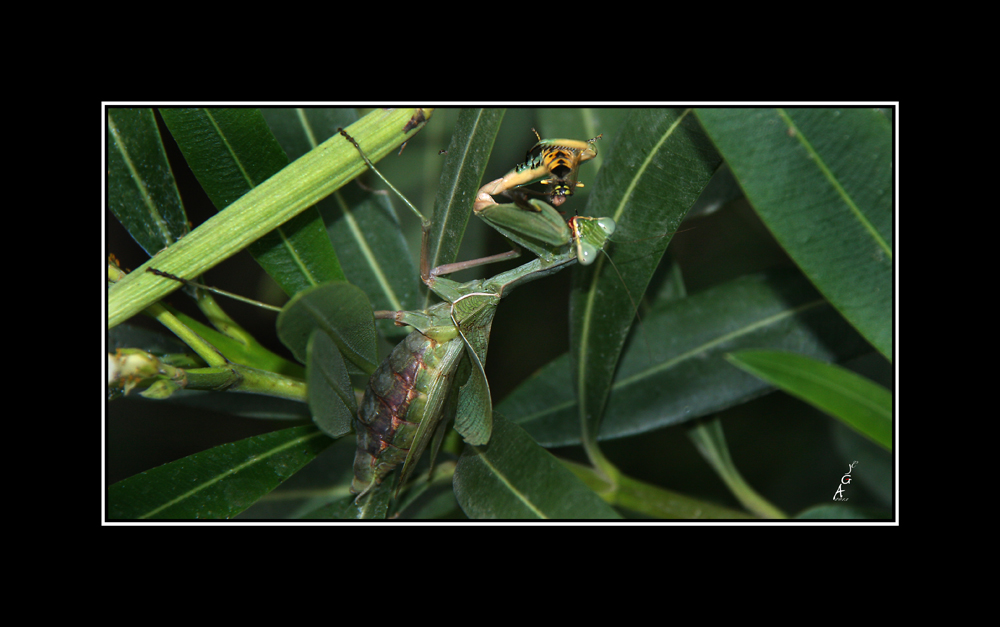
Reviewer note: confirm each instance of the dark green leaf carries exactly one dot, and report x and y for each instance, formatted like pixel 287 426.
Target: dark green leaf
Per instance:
pixel 821 179
pixel 141 188
pixel 341 311
pixel 218 483
pixel 323 482
pixel 681 373
pixel 512 478
pixel 331 397
pixel 468 153
pixel 654 172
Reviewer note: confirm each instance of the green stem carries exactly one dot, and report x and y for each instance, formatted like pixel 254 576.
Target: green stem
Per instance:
pixel 710 441
pixel 237 378
pixel 650 500
pixel 198 344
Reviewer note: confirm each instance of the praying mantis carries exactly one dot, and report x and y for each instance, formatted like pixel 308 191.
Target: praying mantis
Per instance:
pixel 406 397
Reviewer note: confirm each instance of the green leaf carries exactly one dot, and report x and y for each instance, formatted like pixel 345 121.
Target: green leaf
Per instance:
pixel 341 311
pixel 863 405
pixel 821 180
pixel 513 478
pixel 640 189
pixel 341 509
pixel 142 192
pixel 218 483
pixel 323 482
pixel 331 397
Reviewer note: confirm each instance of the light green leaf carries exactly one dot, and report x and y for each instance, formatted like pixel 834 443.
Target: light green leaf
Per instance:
pixel 861 404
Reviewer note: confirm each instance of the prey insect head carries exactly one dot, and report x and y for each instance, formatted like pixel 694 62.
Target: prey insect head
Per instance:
pixel 561 158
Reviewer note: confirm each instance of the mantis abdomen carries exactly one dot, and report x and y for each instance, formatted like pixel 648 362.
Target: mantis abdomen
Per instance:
pixel 402 405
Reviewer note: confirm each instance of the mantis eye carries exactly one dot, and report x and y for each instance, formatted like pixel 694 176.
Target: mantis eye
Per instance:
pixel 585 253
pixel 607 225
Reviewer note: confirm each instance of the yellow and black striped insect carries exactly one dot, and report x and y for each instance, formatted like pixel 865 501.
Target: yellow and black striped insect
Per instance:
pixel 562 159
pixel 556 159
